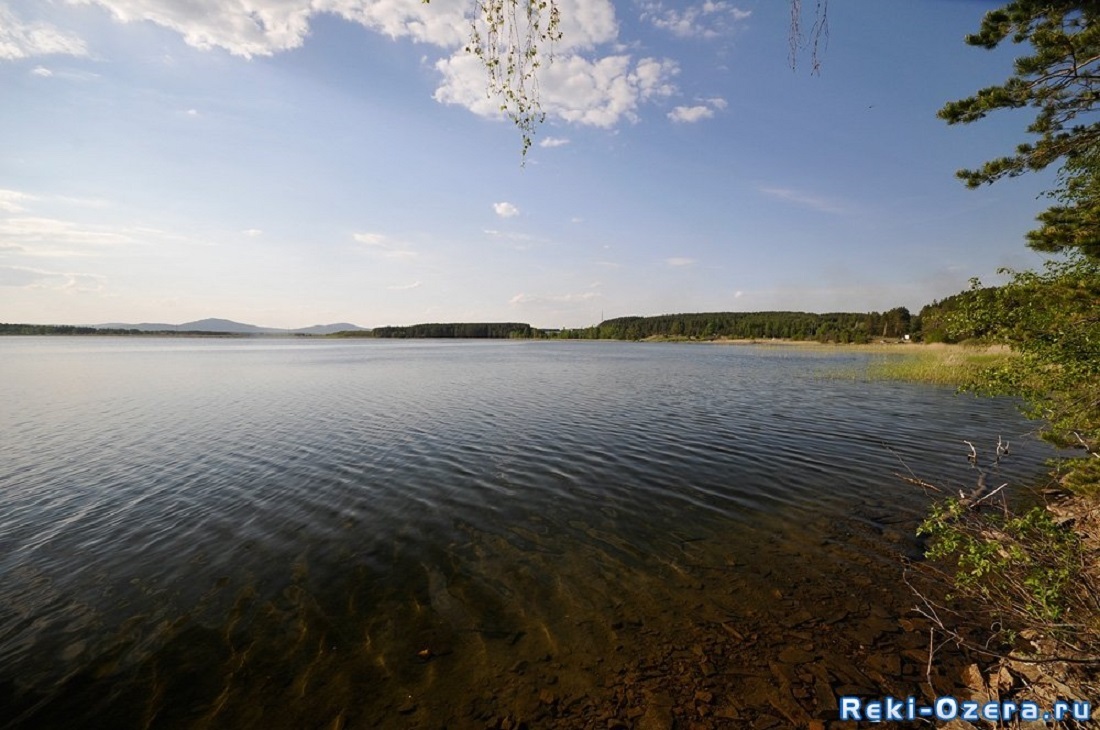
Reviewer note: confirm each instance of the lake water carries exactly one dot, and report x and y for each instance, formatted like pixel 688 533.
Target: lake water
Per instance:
pixel 303 533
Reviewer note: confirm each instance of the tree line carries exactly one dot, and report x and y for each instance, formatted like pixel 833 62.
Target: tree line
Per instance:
pixel 838 327
pixel 7 328
pixel 451 330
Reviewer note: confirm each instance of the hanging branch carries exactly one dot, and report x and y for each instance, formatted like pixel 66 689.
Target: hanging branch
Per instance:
pixel 508 37
pixel 818 39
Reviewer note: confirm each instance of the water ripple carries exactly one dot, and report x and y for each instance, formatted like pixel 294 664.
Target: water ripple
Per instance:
pixel 251 497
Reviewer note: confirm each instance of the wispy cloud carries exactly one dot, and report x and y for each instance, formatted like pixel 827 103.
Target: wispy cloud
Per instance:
pixel 814 202
pixel 679 261
pixel 19 39
pixel 523 298
pixel 553 142
pixel 370 239
pixel 378 244
pixel 404 287
pixel 709 19
pixel 53 230
pixel 505 210
pixel 252 232
pixel 43 72
pixel 12 201
pixel 37 236
pixel 28 278
pixel 508 235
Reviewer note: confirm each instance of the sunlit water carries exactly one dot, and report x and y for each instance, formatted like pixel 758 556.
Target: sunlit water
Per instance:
pixel 284 533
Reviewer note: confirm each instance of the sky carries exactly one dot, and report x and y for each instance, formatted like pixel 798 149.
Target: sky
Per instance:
pixel 294 162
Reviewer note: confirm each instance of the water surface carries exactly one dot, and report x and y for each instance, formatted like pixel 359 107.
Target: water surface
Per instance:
pixel 300 533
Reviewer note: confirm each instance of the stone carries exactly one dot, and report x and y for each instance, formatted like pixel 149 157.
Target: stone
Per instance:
pixel 794 655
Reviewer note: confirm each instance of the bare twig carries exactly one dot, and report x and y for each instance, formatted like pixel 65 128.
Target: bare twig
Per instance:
pixel 919 482
pixel 979 501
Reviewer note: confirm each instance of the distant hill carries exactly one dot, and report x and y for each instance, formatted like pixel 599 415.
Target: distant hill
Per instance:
pixel 228 326
pixel 328 329
pixel 143 327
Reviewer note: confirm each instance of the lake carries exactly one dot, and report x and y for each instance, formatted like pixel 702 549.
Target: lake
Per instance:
pixel 378 533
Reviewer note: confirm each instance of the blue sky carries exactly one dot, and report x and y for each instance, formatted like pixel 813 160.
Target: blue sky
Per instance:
pixel 293 162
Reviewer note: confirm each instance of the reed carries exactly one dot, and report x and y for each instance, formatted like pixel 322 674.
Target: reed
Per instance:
pixel 956 366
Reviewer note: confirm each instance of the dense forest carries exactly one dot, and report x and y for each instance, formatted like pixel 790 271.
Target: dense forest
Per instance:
pixel 840 327
pixel 835 327
pixel 450 330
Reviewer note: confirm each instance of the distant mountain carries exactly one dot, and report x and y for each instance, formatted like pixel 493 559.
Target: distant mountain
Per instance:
pixel 224 325
pixel 328 329
pixel 228 326
pixel 144 326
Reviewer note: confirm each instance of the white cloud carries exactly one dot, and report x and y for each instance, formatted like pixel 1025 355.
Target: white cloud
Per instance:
pixel 814 202
pixel 26 40
pixel 11 201
pixel 505 210
pixel 263 27
pixel 404 287
pixel 53 237
pixel 380 245
pixel 30 234
pixel 598 93
pixel 370 239
pixel 250 28
pixel 252 232
pixel 586 24
pixel 679 261
pixel 247 29
pixel 689 114
pixel 738 294
pixel 26 278
pixel 192 112
pixel 709 19
pixel 439 23
pixel 69 75
pixel 553 142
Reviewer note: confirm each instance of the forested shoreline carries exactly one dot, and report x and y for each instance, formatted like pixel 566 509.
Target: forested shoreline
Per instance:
pixel 834 327
pixel 7 328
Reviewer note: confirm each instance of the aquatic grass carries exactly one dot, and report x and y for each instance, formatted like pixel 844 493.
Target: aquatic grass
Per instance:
pixel 949 365
pixel 958 367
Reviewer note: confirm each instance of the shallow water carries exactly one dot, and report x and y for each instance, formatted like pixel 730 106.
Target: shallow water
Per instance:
pixel 300 533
